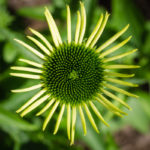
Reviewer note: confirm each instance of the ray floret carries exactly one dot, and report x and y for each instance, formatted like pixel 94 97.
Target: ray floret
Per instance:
pixel 34 98
pixel 90 117
pixel 34 105
pixel 59 118
pixel 68 24
pixel 27 89
pixel 45 41
pixel 78 25
pixel 114 48
pixel 112 39
pixel 100 31
pixel 82 119
pixel 83 22
pixel 33 50
pixel 46 107
pixel 40 45
pixel 31 63
pixel 28 69
pixel 49 116
pixel 29 76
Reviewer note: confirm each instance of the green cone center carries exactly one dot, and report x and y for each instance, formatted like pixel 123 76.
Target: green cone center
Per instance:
pixel 72 73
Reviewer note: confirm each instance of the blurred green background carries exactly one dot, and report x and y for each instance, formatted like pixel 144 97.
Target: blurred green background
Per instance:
pixel 129 133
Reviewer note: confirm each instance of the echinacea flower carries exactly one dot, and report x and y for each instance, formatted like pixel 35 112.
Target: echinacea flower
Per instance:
pixel 75 73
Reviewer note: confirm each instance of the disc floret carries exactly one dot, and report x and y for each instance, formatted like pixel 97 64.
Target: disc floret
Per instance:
pixel 73 73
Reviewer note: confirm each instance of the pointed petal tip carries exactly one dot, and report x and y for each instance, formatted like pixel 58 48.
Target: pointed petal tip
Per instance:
pixel 107 13
pixel 43 128
pixel 128 25
pixel 136 85
pixel 45 8
pixel 71 143
pixel 38 114
pixel 81 3
pixel 98 131
pixel 16 40
pixel 22 115
pixel 11 73
pixel 132 75
pixel 13 91
pixel 18 111
pixel 138 66
pixel 28 36
pixel 106 124
pixel 136 96
pixel 30 29
pixel 129 37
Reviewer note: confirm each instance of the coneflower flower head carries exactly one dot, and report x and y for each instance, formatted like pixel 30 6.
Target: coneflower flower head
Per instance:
pixel 74 74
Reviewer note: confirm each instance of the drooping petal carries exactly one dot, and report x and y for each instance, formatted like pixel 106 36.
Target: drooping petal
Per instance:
pixel 109 104
pixel 116 74
pixel 34 105
pixel 68 120
pixel 29 69
pixel 98 113
pixel 114 88
pixel 48 118
pixel 100 31
pixel 120 66
pixel 53 29
pixel 121 82
pixel 29 76
pixel 119 56
pixel 105 105
pixel 82 119
pixel 90 118
pixel 77 33
pixel 40 45
pixel 47 106
pixel 31 63
pixel 115 98
pixel 91 37
pixel 33 50
pixel 27 89
pixel 59 118
pixel 54 26
pixel 45 41
pixel 68 24
pixel 83 22
pixel 34 98
pixel 114 48
pixel 112 39
pixel 73 125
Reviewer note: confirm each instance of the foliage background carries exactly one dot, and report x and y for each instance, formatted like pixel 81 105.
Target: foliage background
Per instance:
pixel 130 132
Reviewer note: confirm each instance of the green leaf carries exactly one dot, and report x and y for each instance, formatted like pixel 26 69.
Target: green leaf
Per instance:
pixel 145 102
pixel 5 17
pixel 137 117
pixel 92 139
pixel 36 12
pixel 17 99
pixel 9 53
pixel 124 12
pixel 10 35
pixel 13 120
pixel 146 45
